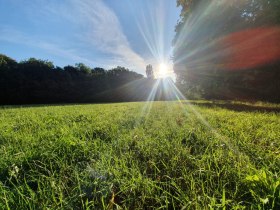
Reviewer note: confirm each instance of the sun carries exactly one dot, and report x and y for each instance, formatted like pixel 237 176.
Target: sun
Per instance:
pixel 163 70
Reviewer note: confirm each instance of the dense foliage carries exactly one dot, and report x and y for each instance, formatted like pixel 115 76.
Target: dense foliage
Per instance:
pixel 38 81
pixel 228 49
pixel 159 155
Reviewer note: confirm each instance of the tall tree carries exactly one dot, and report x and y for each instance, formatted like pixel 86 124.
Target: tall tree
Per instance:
pixel 213 37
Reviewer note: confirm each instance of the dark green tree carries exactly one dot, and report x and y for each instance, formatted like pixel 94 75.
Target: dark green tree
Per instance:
pixel 207 35
pixel 37 81
pixel 83 68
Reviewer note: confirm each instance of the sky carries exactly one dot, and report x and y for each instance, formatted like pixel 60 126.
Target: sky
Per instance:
pixel 98 33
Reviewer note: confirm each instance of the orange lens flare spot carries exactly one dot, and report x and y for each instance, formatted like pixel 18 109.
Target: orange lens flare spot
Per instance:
pixel 252 48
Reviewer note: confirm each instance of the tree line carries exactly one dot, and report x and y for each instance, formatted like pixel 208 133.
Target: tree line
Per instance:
pixel 36 81
pixel 228 49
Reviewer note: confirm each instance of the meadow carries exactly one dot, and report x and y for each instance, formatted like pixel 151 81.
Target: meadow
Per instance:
pixel 156 155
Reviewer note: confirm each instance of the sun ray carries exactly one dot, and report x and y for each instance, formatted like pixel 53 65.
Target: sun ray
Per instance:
pixel 149 102
pixel 182 100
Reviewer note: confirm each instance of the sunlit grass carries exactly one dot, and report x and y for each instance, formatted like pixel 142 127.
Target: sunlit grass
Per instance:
pixel 104 156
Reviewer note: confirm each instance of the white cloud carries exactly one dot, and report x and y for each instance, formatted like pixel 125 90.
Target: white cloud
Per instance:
pixel 103 30
pixel 100 30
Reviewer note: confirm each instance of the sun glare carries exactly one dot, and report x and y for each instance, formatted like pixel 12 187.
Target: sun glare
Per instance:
pixel 163 70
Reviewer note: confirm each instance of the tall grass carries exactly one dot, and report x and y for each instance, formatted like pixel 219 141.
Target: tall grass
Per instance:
pixel 117 156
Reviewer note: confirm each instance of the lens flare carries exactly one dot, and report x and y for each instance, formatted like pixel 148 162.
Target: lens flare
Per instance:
pixel 251 48
pixel 205 41
pixel 163 70
pixel 152 22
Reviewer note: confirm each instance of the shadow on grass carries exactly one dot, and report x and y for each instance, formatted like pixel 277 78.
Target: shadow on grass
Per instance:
pixel 238 107
pixel 210 104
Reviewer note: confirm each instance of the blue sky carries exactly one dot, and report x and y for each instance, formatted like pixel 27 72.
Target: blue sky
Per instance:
pixel 99 33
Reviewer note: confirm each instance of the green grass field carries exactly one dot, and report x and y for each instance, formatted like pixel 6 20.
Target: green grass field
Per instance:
pixel 128 156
